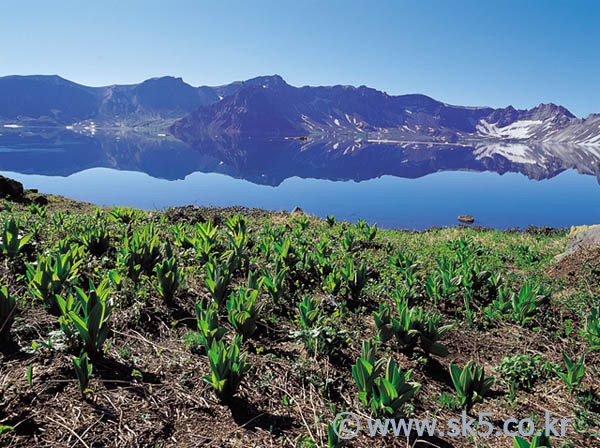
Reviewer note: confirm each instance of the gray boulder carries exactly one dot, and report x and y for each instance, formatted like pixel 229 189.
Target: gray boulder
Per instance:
pixel 584 238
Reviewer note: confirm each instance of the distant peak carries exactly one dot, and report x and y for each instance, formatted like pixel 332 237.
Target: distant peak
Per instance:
pixel 165 80
pixel 52 78
pixel 268 81
pixel 551 108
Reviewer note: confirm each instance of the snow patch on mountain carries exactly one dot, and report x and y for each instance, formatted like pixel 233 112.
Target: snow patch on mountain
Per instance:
pixel 519 130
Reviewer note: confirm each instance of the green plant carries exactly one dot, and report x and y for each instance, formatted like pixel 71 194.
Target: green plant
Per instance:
pixel 386 325
pixel 12 244
pixel 430 332
pixel 591 330
pixel 405 294
pixel 326 339
pixel 38 210
pixel 83 371
pixel 274 284
pixel 236 224
pixel 286 254
pixel 205 241
pixel 522 370
pixel 368 231
pixel 98 215
pixel 407 330
pixel 140 252
pixel 525 304
pixel 333 439
pixel 208 324
pixel 253 281
pixel 207 232
pixel 407 264
pixel 538 441
pixel 332 283
pixel 575 372
pixel 309 313
pixel 321 259
pixel 435 289
pixel 522 307
pixel 243 310
pixel 91 317
pixel 330 220
pixel 50 274
pixel 217 280
pixel 302 222
pixel 348 242
pixel 182 236
pixel 382 385
pixel 125 215
pixel 237 256
pixel 448 401
pixel 470 383
pixel 58 218
pixel 227 368
pixel 8 308
pixel 411 325
pixel 116 279
pixel 168 278
pixel 8 206
pixel 96 240
pixel 356 278
pixel 264 246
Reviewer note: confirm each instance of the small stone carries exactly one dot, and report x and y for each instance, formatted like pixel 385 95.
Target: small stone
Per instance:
pixel 330 304
pixel 467 219
pixel 297 210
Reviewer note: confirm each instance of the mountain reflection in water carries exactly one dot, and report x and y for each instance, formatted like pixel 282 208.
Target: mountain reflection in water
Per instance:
pixel 54 153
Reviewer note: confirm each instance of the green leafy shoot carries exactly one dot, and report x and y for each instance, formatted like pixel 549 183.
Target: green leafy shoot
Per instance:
pixel 12 243
pixel 8 308
pixel 471 384
pixel 83 371
pixel 575 372
pixel 227 368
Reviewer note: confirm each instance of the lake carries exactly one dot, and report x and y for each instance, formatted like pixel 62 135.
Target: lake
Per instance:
pixel 394 184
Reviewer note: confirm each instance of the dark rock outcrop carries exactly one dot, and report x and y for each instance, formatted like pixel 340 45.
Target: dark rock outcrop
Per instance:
pixel 10 188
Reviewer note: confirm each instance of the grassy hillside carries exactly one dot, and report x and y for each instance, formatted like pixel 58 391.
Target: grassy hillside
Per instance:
pixel 109 314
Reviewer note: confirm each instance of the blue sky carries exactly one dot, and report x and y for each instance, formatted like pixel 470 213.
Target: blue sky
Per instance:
pixel 491 53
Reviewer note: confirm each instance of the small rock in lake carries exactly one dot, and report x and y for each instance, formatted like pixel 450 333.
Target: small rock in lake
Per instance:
pixel 297 210
pixel 466 218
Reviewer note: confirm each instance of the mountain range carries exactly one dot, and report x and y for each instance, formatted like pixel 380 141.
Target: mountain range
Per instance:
pixel 267 106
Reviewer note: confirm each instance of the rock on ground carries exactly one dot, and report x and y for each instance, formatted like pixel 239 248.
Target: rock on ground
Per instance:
pixel 584 238
pixel 10 188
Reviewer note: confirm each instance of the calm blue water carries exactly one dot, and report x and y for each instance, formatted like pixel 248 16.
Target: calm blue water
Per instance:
pixel 436 199
pixel 400 187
